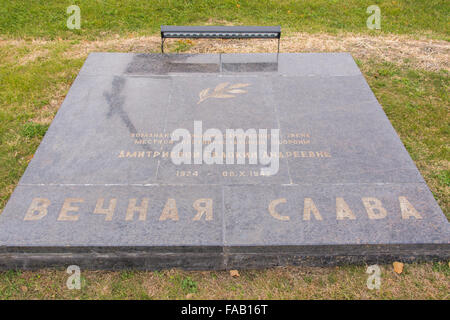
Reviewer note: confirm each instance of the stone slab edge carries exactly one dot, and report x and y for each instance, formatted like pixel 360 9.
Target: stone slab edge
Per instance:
pixel 155 258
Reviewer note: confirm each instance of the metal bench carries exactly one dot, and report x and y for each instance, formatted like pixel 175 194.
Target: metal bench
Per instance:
pixel 220 32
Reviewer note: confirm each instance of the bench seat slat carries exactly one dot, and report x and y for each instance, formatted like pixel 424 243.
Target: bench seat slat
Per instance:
pixel 221 32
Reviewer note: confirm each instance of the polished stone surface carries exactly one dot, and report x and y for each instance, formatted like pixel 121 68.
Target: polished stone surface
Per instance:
pixel 346 189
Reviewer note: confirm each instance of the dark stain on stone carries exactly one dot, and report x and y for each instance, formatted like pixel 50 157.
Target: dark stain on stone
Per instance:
pixel 250 67
pixel 164 64
pixel 116 101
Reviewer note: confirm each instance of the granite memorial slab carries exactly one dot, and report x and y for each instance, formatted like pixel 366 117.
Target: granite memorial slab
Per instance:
pixel 103 190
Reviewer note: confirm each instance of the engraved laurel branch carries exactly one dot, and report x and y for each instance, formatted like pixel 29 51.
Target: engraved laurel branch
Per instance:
pixel 222 90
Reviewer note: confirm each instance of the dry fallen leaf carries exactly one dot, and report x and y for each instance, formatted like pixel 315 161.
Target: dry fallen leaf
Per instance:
pixel 398 267
pixel 234 273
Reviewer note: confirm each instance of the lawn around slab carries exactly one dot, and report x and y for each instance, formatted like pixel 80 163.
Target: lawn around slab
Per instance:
pixel 28 19
pixel 40 58
pixel 417 281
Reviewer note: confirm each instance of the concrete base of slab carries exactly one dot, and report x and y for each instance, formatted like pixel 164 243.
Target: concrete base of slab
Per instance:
pixel 229 258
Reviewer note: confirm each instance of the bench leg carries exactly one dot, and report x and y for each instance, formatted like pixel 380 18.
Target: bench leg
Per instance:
pixel 162 45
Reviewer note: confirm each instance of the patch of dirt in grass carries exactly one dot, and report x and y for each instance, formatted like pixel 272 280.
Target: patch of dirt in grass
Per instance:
pixel 32 56
pixel 423 54
pixel 23 42
pixel 117 44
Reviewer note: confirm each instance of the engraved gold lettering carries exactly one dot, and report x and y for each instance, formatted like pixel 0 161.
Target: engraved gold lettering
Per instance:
pixel 106 211
pixel 308 208
pixel 407 209
pixel 132 208
pixel 343 210
pixel 38 205
pixel 67 207
pixel 203 207
pixel 374 208
pixel 170 211
pixel 274 213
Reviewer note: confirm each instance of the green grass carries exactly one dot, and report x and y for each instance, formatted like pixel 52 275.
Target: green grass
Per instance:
pixel 418 106
pixel 31 130
pixel 418 281
pixel 26 109
pixel 24 18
